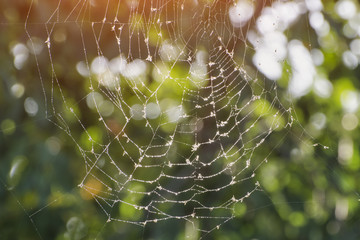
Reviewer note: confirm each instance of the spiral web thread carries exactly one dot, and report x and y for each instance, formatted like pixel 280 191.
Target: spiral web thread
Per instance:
pixel 183 117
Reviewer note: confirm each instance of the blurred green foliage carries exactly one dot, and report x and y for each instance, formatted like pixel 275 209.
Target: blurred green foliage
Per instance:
pixel 309 191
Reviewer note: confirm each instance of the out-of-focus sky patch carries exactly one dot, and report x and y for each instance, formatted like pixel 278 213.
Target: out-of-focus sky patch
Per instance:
pixel 272 47
pixel 346 9
pixel 241 12
pixel 302 67
pixel 269 41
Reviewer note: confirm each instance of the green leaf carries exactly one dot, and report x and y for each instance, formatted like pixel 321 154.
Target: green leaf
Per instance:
pixel 76 229
pixel 18 166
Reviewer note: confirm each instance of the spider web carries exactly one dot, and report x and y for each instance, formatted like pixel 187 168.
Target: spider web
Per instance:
pixel 175 119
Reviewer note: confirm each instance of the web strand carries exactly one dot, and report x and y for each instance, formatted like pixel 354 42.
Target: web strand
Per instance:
pixel 180 121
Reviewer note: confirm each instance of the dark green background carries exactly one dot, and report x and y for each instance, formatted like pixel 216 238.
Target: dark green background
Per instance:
pixel 301 188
